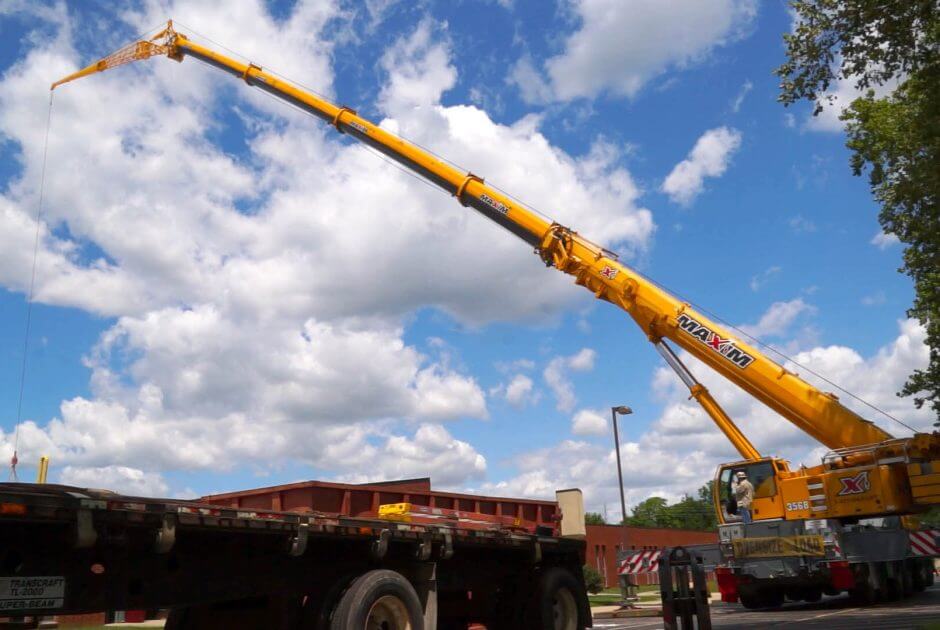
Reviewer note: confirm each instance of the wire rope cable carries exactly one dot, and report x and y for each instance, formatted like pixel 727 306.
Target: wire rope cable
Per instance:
pixel 31 293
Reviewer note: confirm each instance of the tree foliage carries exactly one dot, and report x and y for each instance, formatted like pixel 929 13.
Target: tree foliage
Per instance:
pixel 687 513
pixel 895 138
pixel 593 580
pixel 594 518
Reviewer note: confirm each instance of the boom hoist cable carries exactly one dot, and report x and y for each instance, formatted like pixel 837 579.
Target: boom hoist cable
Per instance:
pixel 14 461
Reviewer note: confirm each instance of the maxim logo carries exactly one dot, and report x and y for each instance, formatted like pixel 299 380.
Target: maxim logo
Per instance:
pixel 855 485
pixel 725 346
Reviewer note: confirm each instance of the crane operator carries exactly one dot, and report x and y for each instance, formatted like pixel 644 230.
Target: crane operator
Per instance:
pixel 743 495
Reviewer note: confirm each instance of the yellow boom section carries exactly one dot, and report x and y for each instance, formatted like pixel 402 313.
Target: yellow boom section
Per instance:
pixel 659 314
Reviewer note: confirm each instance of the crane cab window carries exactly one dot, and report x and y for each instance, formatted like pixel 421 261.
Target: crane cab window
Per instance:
pixel 761 476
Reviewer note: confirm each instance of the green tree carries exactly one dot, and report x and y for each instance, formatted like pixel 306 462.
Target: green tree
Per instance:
pixel 593 580
pixel 652 512
pixel 594 518
pixel 690 513
pixel 895 138
pixel 687 513
pixel 931 518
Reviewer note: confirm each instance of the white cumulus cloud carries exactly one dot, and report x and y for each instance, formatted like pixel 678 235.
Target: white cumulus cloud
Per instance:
pixel 709 158
pixel 883 240
pixel 778 319
pixel 556 375
pixel 619 46
pixel 519 389
pixel 260 301
pixel 589 422
pixel 121 479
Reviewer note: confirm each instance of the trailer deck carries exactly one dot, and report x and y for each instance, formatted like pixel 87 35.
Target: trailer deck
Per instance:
pixel 73 550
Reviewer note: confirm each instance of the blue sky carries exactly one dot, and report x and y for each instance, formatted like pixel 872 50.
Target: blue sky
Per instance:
pixel 228 295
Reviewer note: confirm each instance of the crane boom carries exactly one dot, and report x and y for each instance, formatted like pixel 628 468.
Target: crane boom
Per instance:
pixel 660 315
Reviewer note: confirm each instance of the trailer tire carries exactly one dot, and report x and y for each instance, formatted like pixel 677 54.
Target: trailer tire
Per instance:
pixel 382 597
pixel 555 606
pixel 318 605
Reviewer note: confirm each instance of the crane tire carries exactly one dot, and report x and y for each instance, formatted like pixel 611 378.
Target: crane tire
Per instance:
pixel 907 578
pixel 920 569
pixel 751 601
pixel 382 598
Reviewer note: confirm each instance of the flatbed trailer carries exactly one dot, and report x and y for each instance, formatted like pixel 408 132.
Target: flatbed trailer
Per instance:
pixel 67 550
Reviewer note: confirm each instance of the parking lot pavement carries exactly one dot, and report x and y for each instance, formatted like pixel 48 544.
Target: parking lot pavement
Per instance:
pixel 920 611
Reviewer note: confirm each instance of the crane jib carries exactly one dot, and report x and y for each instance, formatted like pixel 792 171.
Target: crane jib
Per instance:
pixel 486 207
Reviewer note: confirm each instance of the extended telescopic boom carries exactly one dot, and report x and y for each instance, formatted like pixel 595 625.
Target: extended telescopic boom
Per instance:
pixel 659 315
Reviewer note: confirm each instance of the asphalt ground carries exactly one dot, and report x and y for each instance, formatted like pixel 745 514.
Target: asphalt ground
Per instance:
pixel 920 611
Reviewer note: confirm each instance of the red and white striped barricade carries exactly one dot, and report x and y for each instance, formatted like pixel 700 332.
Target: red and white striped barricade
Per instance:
pixel 924 542
pixel 642 566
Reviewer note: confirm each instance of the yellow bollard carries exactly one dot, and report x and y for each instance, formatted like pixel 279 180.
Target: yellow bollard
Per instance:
pixel 43 469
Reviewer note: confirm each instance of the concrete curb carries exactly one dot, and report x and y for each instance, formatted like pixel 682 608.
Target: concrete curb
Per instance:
pixel 627 613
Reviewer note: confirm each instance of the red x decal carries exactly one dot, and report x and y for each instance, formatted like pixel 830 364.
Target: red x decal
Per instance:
pixel 855 485
pixel 716 342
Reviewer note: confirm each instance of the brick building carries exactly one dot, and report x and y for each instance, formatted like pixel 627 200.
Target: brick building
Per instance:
pixel 604 541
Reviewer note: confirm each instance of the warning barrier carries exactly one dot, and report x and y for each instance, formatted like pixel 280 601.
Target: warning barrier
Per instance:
pixel 924 543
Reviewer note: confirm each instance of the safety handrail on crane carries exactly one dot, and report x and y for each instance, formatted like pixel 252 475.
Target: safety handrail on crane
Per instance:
pixel 660 315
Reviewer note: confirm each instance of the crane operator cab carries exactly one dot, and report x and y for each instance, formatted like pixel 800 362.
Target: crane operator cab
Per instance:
pixel 764 475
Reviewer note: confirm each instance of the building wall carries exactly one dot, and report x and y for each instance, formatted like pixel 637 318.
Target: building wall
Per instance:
pixel 604 541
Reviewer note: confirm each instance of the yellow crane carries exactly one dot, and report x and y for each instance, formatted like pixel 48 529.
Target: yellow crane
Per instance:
pixel 868 473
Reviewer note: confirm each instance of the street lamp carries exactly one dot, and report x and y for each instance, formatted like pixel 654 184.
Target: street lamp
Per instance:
pixel 623 411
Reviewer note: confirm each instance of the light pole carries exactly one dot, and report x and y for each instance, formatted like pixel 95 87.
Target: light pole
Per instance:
pixel 629 593
pixel 623 411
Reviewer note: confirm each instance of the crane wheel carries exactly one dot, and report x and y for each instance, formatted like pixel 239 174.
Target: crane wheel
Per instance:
pixel 920 569
pixel 378 599
pixel 892 572
pixel 764 598
pixel 907 578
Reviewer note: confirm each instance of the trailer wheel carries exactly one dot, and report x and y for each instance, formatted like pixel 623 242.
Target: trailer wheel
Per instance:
pixel 379 600
pixel 556 602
